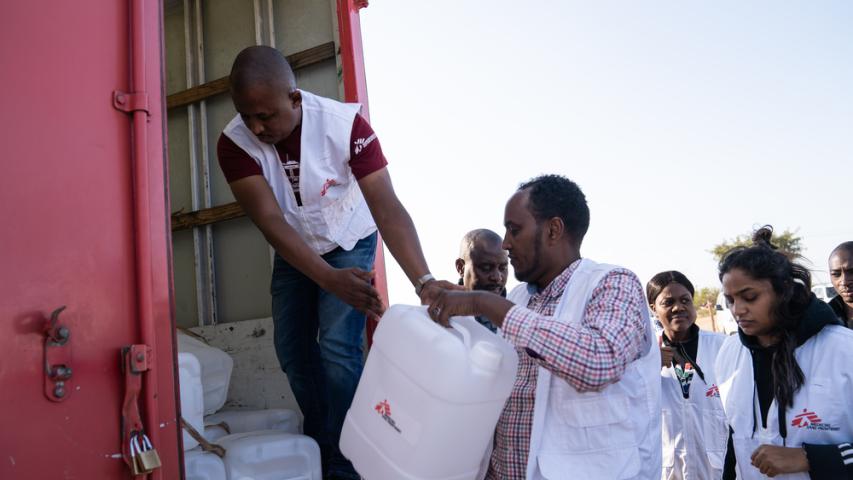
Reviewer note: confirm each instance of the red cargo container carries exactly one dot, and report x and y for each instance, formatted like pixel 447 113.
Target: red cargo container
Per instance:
pixel 86 225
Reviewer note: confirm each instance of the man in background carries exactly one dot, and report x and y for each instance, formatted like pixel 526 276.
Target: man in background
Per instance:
pixel 841 275
pixel 482 265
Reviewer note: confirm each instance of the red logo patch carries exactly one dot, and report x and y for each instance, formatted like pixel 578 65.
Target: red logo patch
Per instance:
pixel 714 391
pixel 805 419
pixel 330 182
pixel 383 408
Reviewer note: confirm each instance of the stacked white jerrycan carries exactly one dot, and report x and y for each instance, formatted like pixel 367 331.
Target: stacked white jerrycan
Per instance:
pixel 258 444
pixel 192 395
pixel 198 465
pixel 216 367
pixel 429 398
pixel 240 421
pixel 271 455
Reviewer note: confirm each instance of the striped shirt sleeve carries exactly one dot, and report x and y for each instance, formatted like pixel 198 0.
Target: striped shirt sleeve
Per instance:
pixel 596 352
pixel 830 461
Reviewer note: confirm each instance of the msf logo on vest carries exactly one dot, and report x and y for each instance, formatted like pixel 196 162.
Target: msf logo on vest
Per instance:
pixel 383 408
pixel 329 183
pixel 714 391
pixel 811 421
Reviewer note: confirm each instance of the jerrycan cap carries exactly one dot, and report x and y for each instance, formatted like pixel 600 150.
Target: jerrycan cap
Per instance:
pixel 486 357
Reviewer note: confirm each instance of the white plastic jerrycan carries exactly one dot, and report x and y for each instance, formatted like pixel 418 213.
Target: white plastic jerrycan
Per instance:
pixel 429 398
pixel 225 423
pixel 200 465
pixel 216 367
pixel 192 395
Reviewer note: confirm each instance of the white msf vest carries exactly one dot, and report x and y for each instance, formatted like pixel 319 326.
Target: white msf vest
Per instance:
pixel 610 434
pixel 333 211
pixel 694 430
pixel 821 413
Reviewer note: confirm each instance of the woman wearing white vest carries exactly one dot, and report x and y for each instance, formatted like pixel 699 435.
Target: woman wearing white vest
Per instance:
pixel 785 379
pixel 310 174
pixel 694 429
pixel 586 400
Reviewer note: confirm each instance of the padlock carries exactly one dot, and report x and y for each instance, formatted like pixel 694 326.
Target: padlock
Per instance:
pixel 134 455
pixel 149 460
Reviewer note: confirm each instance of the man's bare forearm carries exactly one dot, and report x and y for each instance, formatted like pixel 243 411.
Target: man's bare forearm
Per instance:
pixel 399 233
pixel 394 223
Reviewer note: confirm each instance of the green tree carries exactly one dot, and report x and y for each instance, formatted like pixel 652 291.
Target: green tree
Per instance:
pixel 705 295
pixel 788 242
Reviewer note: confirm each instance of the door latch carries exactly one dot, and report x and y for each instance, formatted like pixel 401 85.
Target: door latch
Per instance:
pixel 57 358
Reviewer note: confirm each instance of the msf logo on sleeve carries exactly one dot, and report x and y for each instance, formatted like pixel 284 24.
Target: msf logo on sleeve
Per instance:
pixel 361 143
pixel 811 421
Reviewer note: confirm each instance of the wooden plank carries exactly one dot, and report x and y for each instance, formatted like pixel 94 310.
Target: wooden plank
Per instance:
pixel 198 218
pixel 197 94
pixel 312 56
pixel 204 91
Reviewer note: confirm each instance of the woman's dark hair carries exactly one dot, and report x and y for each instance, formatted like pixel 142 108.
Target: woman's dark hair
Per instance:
pixel 792 284
pixel 661 280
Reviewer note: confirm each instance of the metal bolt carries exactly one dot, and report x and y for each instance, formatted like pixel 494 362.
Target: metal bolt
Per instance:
pixel 120 99
pixel 59 390
pixel 140 357
pixel 63 333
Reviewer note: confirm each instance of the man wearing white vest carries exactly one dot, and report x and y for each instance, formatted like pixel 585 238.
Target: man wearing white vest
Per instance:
pixel 310 173
pixel 586 400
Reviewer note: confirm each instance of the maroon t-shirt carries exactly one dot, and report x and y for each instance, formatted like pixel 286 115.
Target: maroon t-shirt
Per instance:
pixel 365 155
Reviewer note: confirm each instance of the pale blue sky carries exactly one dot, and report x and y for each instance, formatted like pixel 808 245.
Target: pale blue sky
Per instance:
pixel 685 123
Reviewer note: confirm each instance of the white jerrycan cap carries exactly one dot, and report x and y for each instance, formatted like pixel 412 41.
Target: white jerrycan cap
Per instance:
pixel 483 355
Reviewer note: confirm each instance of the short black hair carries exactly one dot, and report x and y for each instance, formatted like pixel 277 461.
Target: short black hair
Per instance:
pixel 557 196
pixel 479 235
pixel 843 247
pixel 261 65
pixel 661 280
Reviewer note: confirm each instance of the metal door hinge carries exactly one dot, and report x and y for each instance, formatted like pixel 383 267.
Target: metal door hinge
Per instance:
pixel 130 102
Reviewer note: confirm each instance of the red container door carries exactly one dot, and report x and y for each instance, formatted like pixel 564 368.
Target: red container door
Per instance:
pixel 84 222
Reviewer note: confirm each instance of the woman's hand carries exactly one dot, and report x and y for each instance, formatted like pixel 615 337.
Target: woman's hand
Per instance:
pixel 665 354
pixel 772 460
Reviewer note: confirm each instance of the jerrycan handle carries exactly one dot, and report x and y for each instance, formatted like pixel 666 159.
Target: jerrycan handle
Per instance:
pixel 466 335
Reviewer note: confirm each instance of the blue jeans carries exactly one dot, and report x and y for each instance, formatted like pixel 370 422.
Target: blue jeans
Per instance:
pixel 318 341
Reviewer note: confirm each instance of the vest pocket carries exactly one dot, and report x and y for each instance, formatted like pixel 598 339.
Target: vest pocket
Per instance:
pixel 613 464
pixel 346 215
pixel 594 437
pixel 668 438
pixel 603 420
pixel 716 436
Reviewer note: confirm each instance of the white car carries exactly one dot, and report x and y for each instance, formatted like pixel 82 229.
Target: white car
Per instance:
pixel 725 319
pixel 824 292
